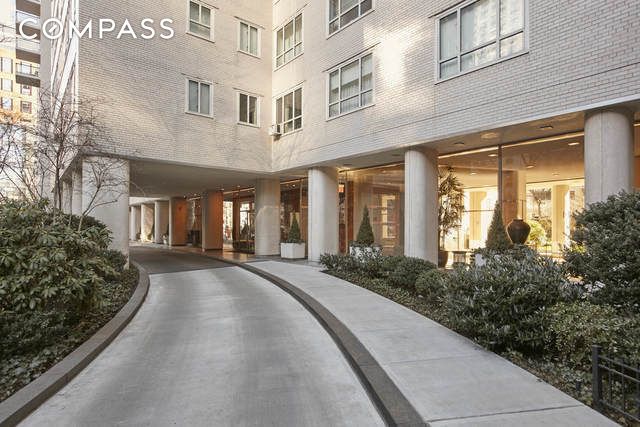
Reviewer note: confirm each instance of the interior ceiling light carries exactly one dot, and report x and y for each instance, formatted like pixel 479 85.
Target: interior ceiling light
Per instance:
pixel 493 155
pixel 458 143
pixel 489 135
pixel 546 127
pixel 473 173
pixel 530 166
pixel 573 143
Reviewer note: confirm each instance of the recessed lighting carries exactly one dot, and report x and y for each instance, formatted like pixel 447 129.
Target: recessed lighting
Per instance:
pixel 556 174
pixel 493 155
pixel 530 166
pixel 546 127
pixel 573 143
pixel 473 173
pixel 458 143
pixel 489 135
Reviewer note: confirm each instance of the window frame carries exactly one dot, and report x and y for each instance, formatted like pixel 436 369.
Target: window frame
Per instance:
pixel 23 103
pixel 22 92
pixel 211 8
pixel 2 100
pixel 258 53
pixel 291 91
pixel 294 45
pixel 2 80
pixel 248 95
pixel 337 18
pixel 339 68
pixel 495 41
pixel 11 64
pixel 200 82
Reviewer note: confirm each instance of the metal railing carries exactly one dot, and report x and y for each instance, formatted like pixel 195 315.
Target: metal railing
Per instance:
pixel 615 384
pixel 26 69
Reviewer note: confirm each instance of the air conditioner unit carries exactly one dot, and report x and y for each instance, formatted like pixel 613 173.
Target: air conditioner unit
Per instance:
pixel 274 130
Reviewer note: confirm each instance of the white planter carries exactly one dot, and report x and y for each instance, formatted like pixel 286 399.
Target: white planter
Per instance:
pixel 292 250
pixel 360 251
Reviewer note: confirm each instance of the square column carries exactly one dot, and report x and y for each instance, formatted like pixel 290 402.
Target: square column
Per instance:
pixel 146 226
pixel 177 221
pixel 212 220
pixel 267 211
pixel 135 222
pixel 161 220
pixel 76 192
pixel 421 204
pixel 67 195
pixel 323 212
pixel 105 196
pixel 608 153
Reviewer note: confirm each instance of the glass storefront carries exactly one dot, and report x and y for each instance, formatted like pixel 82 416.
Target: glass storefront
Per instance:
pixel 239 220
pixel 293 204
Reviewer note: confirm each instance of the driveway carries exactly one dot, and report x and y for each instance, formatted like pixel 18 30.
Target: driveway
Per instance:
pixel 213 345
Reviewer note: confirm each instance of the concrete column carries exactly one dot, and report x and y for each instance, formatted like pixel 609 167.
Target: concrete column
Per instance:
pixel 161 220
pixel 323 212
pixel 475 218
pixel 558 207
pixel 67 196
pixel 76 192
pixel 105 195
pixel 421 204
pixel 212 220
pixel 608 153
pixel 177 221
pixel 514 195
pixel 147 219
pixel 135 222
pixel 267 240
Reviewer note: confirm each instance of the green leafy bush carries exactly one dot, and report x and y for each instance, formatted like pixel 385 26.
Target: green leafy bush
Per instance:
pixel 497 237
pixel 294 232
pixel 502 304
pixel 340 263
pixel 605 250
pixel 407 271
pixel 365 232
pixel 432 285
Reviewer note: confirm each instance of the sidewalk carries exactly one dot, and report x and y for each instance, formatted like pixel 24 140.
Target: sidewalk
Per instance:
pixel 447 378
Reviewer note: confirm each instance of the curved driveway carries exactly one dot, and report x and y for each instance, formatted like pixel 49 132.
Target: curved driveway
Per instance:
pixel 213 345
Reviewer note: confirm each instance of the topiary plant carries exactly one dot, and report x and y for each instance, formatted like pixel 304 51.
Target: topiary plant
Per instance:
pixel 365 232
pixel 294 232
pixel 497 238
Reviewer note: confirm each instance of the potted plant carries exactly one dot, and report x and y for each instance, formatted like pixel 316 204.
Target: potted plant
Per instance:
pixel 450 211
pixel 294 246
pixel 497 238
pixel 365 240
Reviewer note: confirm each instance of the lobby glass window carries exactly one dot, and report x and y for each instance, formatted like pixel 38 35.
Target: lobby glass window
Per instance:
pixel 200 19
pixel 6 85
pixel 479 33
pixel 248 109
pixel 199 97
pixel 293 204
pixel 6 65
pixel 248 39
pixel 7 103
pixel 351 86
pixel 343 12
pixel 289 41
pixel 25 107
pixel 289 111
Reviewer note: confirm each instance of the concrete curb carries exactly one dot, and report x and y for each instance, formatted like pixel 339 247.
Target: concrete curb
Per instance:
pixel 391 403
pixel 17 407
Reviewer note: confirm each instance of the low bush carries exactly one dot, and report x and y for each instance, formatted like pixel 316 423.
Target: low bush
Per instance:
pixel 432 285
pixel 407 271
pixel 340 263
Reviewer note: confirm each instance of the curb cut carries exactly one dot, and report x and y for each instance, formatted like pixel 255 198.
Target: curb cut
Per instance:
pixel 391 403
pixel 17 407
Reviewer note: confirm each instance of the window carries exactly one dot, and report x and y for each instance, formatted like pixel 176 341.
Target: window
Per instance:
pixel 342 12
pixel 7 103
pixel 6 65
pixel 6 84
pixel 351 86
pixel 249 39
pixel 248 109
pixel 289 111
pixel 25 90
pixel 25 107
pixel 289 41
pixel 480 33
pixel 199 19
pixel 199 97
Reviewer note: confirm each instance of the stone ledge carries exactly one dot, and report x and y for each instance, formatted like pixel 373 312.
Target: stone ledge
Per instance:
pixel 27 399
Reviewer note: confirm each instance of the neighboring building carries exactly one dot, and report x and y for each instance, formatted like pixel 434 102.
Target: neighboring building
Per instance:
pixel 259 111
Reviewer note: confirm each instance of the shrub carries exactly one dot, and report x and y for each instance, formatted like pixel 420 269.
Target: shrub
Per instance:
pixel 294 232
pixel 340 263
pixel 579 325
pixel 605 250
pixel 407 271
pixel 432 285
pixel 502 304
pixel 497 238
pixel 365 232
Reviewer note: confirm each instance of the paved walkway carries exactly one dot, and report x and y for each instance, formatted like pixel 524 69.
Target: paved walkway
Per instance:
pixel 447 378
pixel 213 345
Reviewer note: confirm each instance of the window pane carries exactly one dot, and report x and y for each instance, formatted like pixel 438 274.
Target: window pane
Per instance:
pixel 365 6
pixel 449 68
pixel 478 23
pixel 298 103
pixel 298 35
pixel 478 57
pixel 513 44
pixel 511 16
pixel 298 123
pixel 279 110
pixel 279 42
pixel 349 16
pixel 350 80
pixel 334 110
pixel 347 4
pixel 367 67
pixel 334 26
pixel 449 36
pixel 243 108
pixel 199 29
pixel 244 37
pixel 205 98
pixel 205 16
pixel 334 86
pixel 288 36
pixel 194 11
pixel 254 41
pixel 288 106
pixel 193 96
pixel 253 110
pixel 350 104
pixel 333 9
pixel 279 61
pixel 366 98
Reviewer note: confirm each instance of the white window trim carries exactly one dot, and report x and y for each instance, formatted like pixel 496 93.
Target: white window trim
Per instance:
pixel 342 27
pixel 456 9
pixel 258 99
pixel 186 103
pixel 275 40
pixel 259 47
pixel 373 85
pixel 275 109
pixel 211 18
